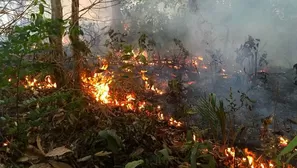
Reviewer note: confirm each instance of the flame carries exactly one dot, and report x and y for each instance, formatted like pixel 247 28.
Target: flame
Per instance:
pixel 282 141
pixel 147 85
pixel 200 58
pixel 250 156
pixel 34 83
pixel 104 64
pixel 99 87
pixel 161 116
pixel 137 52
pixel 174 122
pixel 230 152
pixel 191 82
pixel 204 67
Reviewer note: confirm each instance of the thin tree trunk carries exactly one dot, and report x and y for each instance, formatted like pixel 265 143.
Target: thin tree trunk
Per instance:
pixel 56 41
pixel 74 37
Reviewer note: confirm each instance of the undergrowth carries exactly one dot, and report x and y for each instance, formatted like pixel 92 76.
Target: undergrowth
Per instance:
pixel 56 127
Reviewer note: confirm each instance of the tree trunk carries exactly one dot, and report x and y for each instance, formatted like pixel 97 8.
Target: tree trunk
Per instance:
pixel 75 42
pixel 56 41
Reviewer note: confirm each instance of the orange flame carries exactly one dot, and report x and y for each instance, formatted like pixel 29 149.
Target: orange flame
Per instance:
pixel 283 142
pixel 34 83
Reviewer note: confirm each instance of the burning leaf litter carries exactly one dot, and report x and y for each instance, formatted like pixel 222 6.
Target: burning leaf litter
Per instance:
pixel 98 86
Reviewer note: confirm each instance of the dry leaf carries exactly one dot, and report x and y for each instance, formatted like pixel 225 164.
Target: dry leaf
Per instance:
pixel 59 164
pixel 23 159
pixel 41 165
pixel 71 119
pixel 38 141
pixel 84 158
pixel 103 153
pixel 58 151
pixel 58 118
pixel 137 152
pixel 31 153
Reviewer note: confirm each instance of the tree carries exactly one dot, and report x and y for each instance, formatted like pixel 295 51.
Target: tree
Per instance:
pixel 75 43
pixel 56 41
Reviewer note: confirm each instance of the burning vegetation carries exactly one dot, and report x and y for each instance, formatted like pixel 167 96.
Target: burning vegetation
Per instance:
pixel 142 104
pixel 131 80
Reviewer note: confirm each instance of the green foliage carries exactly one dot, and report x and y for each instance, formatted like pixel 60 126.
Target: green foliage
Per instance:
pixel 216 115
pixel 213 113
pixel 114 142
pixel 196 153
pixel 134 164
pixel 26 42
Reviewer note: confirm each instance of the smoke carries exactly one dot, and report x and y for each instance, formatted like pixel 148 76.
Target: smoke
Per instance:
pixel 221 24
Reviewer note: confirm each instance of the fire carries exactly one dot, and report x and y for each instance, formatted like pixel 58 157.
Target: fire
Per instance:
pixel 174 122
pixel 191 82
pixel 98 86
pixel 248 160
pixel 230 152
pixel 204 67
pixel 137 52
pixel 161 116
pixel 147 85
pixel 283 142
pixel 34 83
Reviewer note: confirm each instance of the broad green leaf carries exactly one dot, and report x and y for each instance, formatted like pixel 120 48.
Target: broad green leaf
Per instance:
pixel 164 153
pixel 114 142
pixel 189 135
pixel 134 164
pixel 193 156
pixel 41 9
pixel 192 112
